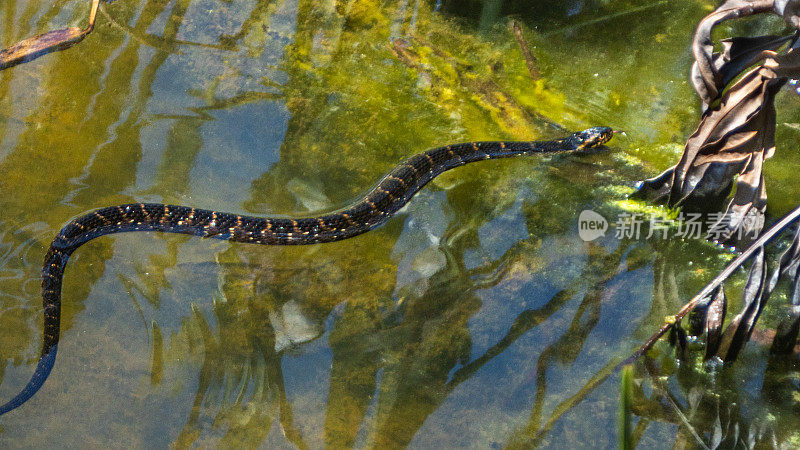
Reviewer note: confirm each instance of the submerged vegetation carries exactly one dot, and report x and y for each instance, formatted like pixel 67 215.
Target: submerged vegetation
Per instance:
pixel 477 316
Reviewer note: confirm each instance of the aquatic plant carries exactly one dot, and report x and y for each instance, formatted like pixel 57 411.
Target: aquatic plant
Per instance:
pixel 735 136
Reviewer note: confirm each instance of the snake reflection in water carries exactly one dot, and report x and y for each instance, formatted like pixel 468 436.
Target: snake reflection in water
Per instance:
pixel 379 204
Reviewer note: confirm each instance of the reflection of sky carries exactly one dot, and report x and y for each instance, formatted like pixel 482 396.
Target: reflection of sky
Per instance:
pixel 494 244
pixel 307 378
pixel 232 153
pixel 233 156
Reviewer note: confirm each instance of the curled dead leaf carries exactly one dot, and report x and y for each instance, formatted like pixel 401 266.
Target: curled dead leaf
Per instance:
pixel 736 133
pixel 735 136
pixel 706 77
pixel 732 140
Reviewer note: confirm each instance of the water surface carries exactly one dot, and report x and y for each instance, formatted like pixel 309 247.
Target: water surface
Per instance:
pixel 476 317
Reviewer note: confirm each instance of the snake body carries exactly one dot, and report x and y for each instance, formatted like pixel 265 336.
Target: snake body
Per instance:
pixel 393 191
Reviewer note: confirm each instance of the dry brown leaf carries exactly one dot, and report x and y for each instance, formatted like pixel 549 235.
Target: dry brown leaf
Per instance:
pixel 738 53
pixel 706 78
pixel 734 138
pixel 36 46
pixel 737 130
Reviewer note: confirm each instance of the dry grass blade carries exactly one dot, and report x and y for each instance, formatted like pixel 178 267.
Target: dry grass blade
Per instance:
pixel 756 294
pixel 718 280
pixel 715 318
pixel 530 60
pixel 42 44
pixel 760 285
pixel 754 298
pixel 707 319
pixel 790 265
pixel 679 340
pixel 786 335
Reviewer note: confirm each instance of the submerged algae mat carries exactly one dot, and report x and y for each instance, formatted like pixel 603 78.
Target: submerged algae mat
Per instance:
pixel 471 319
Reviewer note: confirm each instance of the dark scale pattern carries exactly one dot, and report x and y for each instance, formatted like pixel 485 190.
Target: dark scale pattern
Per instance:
pixel 385 199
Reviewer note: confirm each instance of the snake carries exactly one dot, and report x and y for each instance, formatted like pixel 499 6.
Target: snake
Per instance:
pixel 391 193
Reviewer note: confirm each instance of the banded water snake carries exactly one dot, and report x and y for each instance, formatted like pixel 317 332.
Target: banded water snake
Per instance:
pixel 391 193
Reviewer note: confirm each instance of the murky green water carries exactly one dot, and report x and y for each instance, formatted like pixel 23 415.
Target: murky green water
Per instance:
pixel 477 317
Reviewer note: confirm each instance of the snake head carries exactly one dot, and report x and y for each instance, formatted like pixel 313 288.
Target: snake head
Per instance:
pixel 591 138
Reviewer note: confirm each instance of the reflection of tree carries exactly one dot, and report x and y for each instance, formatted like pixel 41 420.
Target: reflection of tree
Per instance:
pixel 411 348
pixel 711 405
pixel 414 347
pixel 307 94
pixel 416 355
pixel 185 139
pixel 711 414
pixel 124 152
pixel 72 167
pixel 715 405
pixel 567 348
pixel 225 379
pixel 356 363
pixel 72 158
pixel 427 344
pixel 259 17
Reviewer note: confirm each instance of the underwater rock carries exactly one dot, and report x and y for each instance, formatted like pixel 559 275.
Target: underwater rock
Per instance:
pixel 292 327
pixel 311 197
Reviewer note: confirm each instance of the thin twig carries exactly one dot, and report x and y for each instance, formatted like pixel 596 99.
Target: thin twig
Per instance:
pixel 530 60
pixel 657 384
pixel 42 44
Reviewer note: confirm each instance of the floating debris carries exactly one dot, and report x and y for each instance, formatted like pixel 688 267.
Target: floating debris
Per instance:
pixel 42 44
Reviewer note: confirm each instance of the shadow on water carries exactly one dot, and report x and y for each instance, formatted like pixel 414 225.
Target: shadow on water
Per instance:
pixel 475 317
